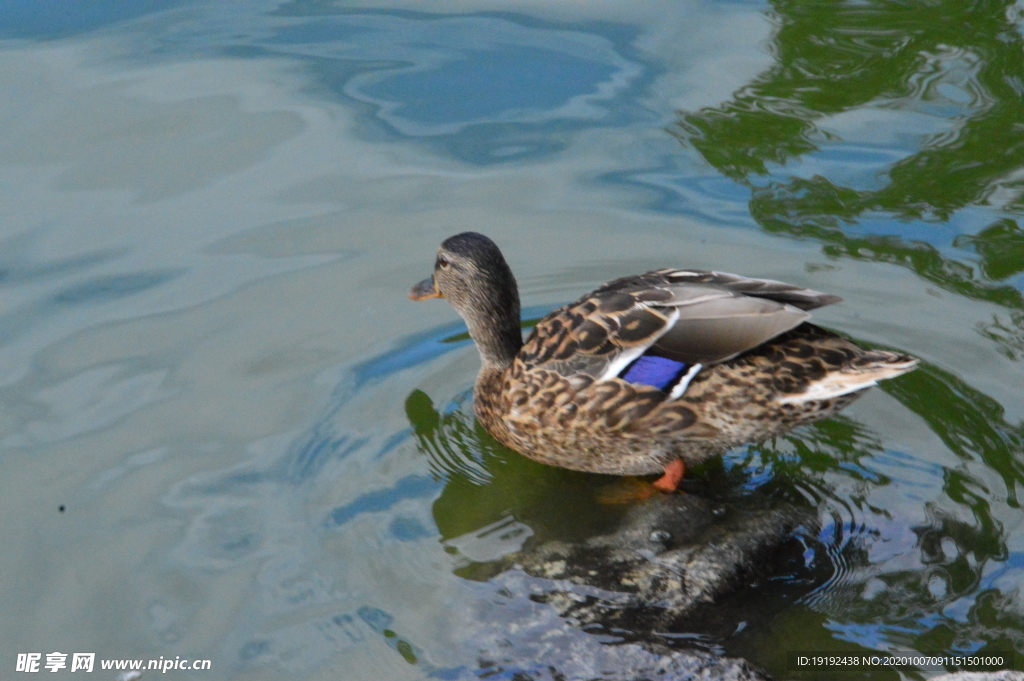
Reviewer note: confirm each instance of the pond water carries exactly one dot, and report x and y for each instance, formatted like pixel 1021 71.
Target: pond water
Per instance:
pixel 228 435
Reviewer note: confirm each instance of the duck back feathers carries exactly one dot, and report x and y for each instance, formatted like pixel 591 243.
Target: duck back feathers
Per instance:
pixel 690 316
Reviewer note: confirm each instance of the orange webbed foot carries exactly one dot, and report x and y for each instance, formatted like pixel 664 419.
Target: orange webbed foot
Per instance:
pixel 669 482
pixel 631 490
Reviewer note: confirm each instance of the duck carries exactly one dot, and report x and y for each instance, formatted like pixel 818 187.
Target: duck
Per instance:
pixel 652 373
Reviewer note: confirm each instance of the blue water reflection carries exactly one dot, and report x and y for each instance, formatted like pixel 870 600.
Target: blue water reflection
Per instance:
pixel 504 84
pixel 474 80
pixel 450 76
pixel 57 18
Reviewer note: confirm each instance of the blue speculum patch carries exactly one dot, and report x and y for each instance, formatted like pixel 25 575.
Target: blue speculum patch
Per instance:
pixel 657 372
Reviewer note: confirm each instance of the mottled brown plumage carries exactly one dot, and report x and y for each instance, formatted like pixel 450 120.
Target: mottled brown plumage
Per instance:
pixel 754 368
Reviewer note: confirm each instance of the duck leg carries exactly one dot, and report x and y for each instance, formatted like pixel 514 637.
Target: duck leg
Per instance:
pixel 674 473
pixel 631 490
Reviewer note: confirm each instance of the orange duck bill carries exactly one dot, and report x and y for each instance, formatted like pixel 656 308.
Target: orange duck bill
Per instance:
pixel 425 289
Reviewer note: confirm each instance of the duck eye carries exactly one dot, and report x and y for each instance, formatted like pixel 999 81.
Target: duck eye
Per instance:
pixel 442 262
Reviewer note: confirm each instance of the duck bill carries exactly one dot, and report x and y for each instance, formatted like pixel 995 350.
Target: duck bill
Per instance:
pixel 425 289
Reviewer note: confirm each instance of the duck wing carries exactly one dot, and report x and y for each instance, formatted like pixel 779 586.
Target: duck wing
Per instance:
pixel 689 316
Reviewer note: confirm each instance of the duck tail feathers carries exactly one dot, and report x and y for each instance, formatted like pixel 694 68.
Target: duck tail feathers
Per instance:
pixel 864 372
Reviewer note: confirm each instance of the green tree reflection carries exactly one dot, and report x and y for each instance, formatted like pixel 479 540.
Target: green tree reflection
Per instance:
pixel 955 59
pixel 832 56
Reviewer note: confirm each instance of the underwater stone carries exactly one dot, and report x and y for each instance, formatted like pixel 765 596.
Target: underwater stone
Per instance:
pixel 671 555
pixel 562 608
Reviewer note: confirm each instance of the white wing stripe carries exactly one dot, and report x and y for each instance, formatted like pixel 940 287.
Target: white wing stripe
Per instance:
pixel 684 382
pixel 619 364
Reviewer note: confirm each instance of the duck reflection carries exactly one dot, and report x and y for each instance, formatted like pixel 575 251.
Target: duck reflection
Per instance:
pixel 873 572
pixel 486 483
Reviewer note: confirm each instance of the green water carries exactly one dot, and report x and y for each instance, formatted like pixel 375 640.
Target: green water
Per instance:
pixel 226 434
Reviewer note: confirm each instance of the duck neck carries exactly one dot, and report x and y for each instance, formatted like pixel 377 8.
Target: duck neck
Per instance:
pixel 497 335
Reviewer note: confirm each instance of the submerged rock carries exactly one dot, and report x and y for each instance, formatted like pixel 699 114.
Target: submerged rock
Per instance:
pixel 671 556
pixel 600 608
pixel 561 656
pixel 515 637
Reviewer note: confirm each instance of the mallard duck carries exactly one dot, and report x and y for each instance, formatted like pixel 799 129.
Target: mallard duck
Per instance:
pixel 651 373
